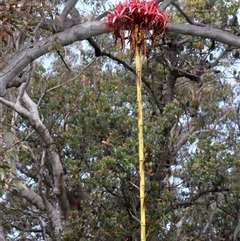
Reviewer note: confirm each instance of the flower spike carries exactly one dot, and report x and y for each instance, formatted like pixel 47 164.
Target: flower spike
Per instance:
pixel 125 16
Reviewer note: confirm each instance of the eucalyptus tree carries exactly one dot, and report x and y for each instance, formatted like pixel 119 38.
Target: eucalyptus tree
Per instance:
pixel 68 124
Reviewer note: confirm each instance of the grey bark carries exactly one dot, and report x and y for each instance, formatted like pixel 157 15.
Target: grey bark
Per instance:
pixel 36 200
pixel 90 29
pixel 31 113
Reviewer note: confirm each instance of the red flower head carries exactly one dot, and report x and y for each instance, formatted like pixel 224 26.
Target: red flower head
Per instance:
pixel 141 19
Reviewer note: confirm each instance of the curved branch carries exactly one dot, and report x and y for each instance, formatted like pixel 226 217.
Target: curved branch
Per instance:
pixel 21 59
pixel 32 115
pixel 205 32
pixel 101 16
pixel 221 55
pixel 36 200
pixel 31 196
pixel 177 6
pixel 165 4
pixel 90 29
pixel 120 61
pixel 67 9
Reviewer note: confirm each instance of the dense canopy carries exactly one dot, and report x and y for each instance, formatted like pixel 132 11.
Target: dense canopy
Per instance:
pixel 68 118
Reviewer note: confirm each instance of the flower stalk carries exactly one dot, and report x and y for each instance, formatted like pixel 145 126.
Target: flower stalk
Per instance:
pixel 140 143
pixel 142 20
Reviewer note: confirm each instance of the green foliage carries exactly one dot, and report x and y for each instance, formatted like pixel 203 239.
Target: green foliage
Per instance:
pixel 191 130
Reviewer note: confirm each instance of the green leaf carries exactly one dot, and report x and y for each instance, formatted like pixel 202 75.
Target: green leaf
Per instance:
pixel 8 136
pixel 51 47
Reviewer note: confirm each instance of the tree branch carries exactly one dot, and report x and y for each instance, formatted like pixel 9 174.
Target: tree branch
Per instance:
pixel 205 32
pixel 33 117
pixel 31 196
pixel 90 29
pixel 21 59
pixel 165 4
pixel 67 9
pixel 176 5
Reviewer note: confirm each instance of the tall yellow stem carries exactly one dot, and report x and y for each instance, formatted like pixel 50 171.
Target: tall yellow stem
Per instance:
pixel 140 142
